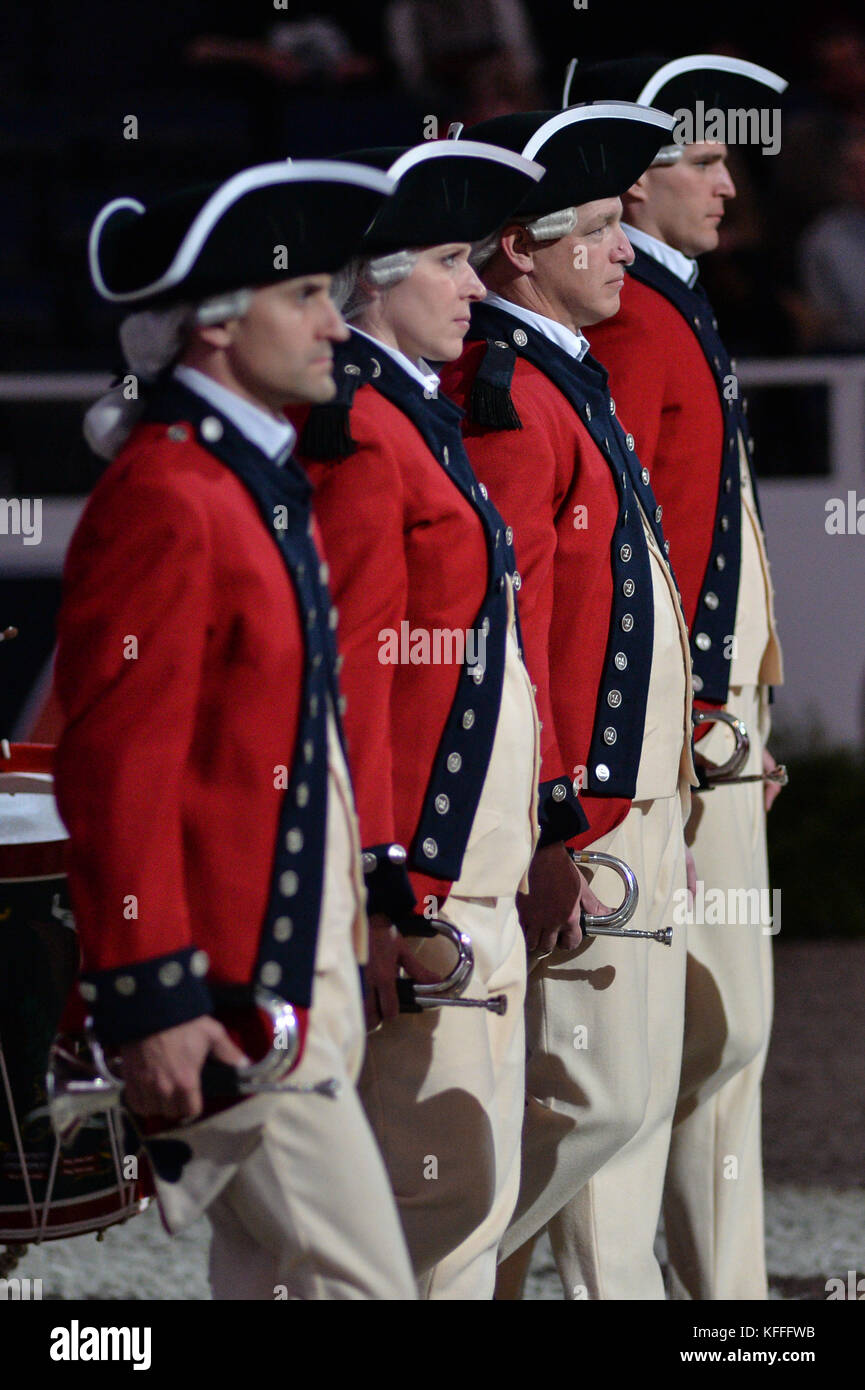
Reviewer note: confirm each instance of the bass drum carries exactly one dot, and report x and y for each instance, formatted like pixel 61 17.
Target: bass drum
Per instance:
pixel 47 1191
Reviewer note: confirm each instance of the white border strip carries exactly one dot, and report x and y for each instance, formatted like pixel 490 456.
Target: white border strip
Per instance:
pixel 471 149
pixel 711 62
pixel 597 111
pixel 261 176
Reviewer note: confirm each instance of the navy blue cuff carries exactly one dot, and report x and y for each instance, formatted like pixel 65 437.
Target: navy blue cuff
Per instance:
pixel 388 887
pixel 137 1000
pixel 560 814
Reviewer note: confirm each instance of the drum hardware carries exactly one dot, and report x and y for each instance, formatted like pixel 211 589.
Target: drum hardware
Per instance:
pixel 726 774
pixel 8 633
pixel 73 1098
pixel 613 923
pixel 414 997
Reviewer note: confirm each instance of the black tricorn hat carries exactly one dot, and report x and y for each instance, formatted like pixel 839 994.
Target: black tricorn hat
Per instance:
pixel 590 152
pixel 267 223
pixel 675 84
pixel 445 192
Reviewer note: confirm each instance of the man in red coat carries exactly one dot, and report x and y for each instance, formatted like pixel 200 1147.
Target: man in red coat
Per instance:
pixel 606 645
pixel 440 718
pixel 214 853
pixel 677 390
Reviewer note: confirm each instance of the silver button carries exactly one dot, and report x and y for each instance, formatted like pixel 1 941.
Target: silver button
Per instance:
pixel 324 571
pixel 725 523
pixel 376 366
pixel 588 411
pixel 485 626
pixel 270 974
pixel 620 661
pixel 711 600
pixel 629 441
pixel 614 698
pixel 178 435
pixel 697 683
pixel 342 704
pixel 477 673
pixel 294 841
pixel 715 324
pixel 602 772
pixel 703 641
pixel 199 963
pixel 659 512
pixel 283 927
pixel 612 406
pixel 446 456
pixel 311 617
pixel 610 735
pixel 499 342
pixel 333 618
pixel 717 362
pixel 455 762
pixel 302 794
pixel 731 443
pixel 517 580
pixel 627 622
pixel 369 861
pixel 351 369
pixel 728 483
pixel 750 446
pixel 211 429
pixel 666 547
pixel 483 491
pixel 442 804
pixel 87 991
pixel 396 854
pixel 625 553
pixel 520 338
pixel 468 718
pixel 288 883
pixel 696 322
pixel 628 588
pixel 313 706
pixel 125 985
pixel 644 474
pixel 509 535
pixel 720 562
pixel 308 750
pixel 170 974
pixel 430 848
pixel 559 792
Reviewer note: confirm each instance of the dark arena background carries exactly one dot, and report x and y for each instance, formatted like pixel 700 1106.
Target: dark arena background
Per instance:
pixel 100 99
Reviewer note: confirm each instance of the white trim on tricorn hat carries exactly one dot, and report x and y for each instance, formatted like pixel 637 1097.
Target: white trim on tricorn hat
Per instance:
pixel 224 197
pixel 595 111
pixel 471 149
pixel 709 62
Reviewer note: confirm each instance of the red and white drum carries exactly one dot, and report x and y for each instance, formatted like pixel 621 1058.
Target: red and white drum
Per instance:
pixel 46 1190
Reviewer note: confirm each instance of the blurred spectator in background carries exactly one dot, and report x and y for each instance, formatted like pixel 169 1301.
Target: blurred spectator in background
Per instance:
pixel 832 255
pixel 466 62
pixel 291 51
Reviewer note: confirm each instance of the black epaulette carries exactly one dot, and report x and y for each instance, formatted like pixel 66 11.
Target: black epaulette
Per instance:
pixel 327 432
pixel 490 402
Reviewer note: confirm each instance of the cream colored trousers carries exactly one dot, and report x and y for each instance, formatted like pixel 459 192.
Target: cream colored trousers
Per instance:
pixel 713 1202
pixel 604 1042
pixel 444 1093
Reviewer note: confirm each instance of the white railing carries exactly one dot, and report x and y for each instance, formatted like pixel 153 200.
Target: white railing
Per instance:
pixel 844 378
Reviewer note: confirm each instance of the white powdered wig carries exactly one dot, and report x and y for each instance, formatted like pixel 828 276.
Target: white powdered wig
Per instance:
pixel 351 286
pixel 550 227
pixel 152 340
pixel 667 154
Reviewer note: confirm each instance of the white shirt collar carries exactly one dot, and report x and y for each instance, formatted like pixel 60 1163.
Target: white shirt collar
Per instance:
pixel 419 371
pixel 574 344
pixel 271 436
pixel 680 264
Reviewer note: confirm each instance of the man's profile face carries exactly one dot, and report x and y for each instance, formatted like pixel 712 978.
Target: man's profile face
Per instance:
pixel 685 205
pixel 281 352
pixel 583 272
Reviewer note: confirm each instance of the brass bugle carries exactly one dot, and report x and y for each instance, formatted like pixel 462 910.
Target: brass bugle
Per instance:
pixel 727 774
pixel 446 992
pixel 76 1089
pixel 613 923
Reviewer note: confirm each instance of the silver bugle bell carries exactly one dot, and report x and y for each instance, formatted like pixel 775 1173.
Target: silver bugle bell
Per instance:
pixel 448 991
pixel 613 923
pixel 727 774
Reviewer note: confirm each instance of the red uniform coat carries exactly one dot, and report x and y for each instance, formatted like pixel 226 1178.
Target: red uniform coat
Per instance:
pixel 180 670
